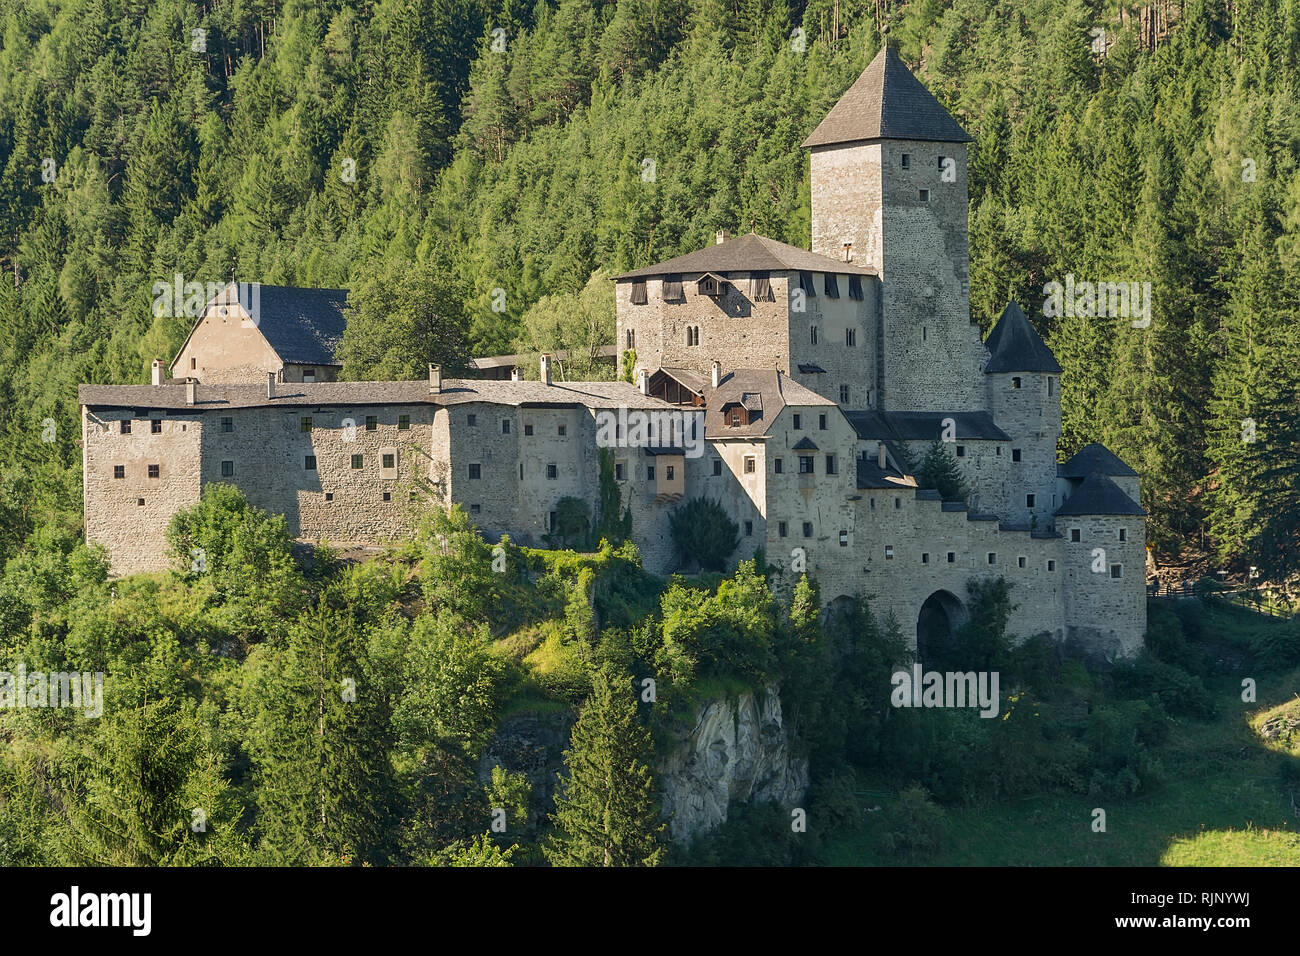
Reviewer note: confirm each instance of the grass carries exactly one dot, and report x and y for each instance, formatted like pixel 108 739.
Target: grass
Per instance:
pixel 1225 802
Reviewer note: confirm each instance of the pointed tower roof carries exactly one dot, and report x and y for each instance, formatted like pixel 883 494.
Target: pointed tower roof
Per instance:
pixel 1095 457
pixel 1015 346
pixel 887 102
pixel 1098 495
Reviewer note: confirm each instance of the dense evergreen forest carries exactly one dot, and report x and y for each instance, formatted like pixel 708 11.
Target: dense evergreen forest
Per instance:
pixel 471 170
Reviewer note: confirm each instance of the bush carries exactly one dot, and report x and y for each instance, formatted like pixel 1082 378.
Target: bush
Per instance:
pixel 1177 691
pixel 704 533
pixel 915 825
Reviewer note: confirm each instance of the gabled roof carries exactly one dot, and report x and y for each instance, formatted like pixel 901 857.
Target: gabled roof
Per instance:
pixel 1015 346
pixel 1095 457
pixel 687 378
pixel 887 102
pixel 925 426
pixel 1098 495
pixel 774 389
pixel 748 253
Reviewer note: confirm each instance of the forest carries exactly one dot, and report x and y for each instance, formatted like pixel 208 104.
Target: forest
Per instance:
pixel 472 171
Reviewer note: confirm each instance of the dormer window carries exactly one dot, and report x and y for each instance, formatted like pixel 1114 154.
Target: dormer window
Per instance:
pixel 673 289
pixel 832 287
pixel 761 287
pixel 855 288
pixel 735 418
pixel 638 292
pixel 806 284
pixel 711 285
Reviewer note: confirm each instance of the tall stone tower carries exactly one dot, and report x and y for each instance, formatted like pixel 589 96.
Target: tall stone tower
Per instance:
pixel 889 191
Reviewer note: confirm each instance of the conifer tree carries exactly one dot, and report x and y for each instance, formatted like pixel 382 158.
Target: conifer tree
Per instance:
pixel 940 470
pixel 605 811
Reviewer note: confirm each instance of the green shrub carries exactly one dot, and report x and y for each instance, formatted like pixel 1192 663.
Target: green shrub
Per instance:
pixel 914 825
pixel 704 533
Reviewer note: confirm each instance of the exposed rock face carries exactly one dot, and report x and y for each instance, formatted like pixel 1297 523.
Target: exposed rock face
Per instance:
pixel 735 753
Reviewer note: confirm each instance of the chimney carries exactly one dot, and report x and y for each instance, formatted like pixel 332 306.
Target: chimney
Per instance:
pixel 643 381
pixel 848 252
pixel 717 373
pixel 270 385
pixel 546 368
pixel 191 390
pixel 515 374
pixel 157 371
pixel 880 456
pixel 721 236
pixel 435 379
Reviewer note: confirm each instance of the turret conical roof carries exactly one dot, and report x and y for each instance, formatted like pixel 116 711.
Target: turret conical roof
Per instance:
pixel 1015 346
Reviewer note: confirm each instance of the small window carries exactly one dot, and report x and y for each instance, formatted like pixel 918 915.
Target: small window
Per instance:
pixel 952 557
pixel 850 337
pixel 855 288
pixel 1020 562
pixel 844 538
pixel 778 466
pixel 889 552
pixel 993 557
pixel 906 161
pixel 119 471
pixel 1123 534
pixel 873 504
pixel 1051 386
pixel 388 496
pixel 1075 534
pixel 999 448
pixel 475 509
pixel 821 422
pixel 403 422
pixel 155 426
pixel 475 471
pixel 669 472
pixel 629 339
pixel 124 426
pixel 781 528
pixel 562 430
pixel 388 461
pixel 1029 500
pixel 620 471
pixel 1051 565
pixel 550 522
pixel 471 420
pixel 1015 454
pixel 961 451
pixel 309 463
pixel 830 464
pixel 1015 381
pixel 139 502
pixel 528 430
pixel 925 195
pixel 807 529
pixel 304 423
pixel 194 363
pixel 227 424
pixel 735 419
pixel 749 529
pixel 832 287
pixel 329 496
pixel 552 472
pixel 650 473
pixel 357 461
pixel 521 471
pixel 1117 570
pixel 153 471
pixel 309 375
pixel 692 335
pixel 638 293
pixel 813 330
pixel 505 426
pixel 798 421
pixel 898 503
pixel 749 464
pixel 925 557
pixel 717 467
pixel 227 469
pixel 942 162
pixel 372 422
pixel 844 394
pixel 806 465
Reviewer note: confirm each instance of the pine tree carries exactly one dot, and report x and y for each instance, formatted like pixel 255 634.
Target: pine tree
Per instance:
pixel 940 470
pixel 605 812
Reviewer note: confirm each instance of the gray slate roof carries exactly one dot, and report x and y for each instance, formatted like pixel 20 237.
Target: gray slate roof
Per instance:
pixel 1015 346
pixel 1098 495
pixel 748 253
pixel 1095 457
pixel 454 392
pixel 303 325
pixel 776 389
pixel 887 102
pixel 871 475
pixel 925 426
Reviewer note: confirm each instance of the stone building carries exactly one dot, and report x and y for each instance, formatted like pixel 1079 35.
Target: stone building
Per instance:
pixel 798 388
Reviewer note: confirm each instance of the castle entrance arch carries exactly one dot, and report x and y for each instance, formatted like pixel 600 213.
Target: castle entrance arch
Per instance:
pixel 940 616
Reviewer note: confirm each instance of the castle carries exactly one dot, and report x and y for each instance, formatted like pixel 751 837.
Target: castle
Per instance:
pixel 819 379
